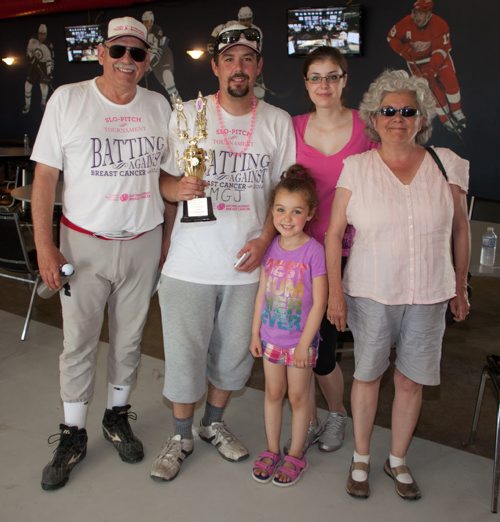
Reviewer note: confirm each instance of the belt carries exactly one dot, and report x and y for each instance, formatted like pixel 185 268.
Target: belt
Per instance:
pixel 76 228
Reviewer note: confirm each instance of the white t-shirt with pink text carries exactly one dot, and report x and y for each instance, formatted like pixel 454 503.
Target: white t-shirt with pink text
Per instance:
pixel 110 155
pixel 239 185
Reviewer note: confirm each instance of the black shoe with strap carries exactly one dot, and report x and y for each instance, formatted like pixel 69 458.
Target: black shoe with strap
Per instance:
pixel 116 429
pixel 71 450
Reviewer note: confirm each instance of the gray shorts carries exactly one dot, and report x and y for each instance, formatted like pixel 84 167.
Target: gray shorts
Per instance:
pixel 416 330
pixel 206 335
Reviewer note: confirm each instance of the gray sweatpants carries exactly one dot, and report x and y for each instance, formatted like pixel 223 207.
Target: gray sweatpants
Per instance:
pixel 206 335
pixel 119 274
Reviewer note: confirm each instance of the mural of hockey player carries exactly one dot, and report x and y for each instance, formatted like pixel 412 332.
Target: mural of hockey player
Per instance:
pixel 161 56
pixel 245 17
pixel 40 54
pixel 423 40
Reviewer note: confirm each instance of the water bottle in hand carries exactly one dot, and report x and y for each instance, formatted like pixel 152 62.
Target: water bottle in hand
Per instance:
pixel 66 272
pixel 488 247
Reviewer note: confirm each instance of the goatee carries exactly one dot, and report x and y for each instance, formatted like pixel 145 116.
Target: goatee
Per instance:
pixel 238 92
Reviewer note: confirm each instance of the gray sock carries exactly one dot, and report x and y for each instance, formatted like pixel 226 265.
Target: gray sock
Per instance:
pixel 212 414
pixel 183 427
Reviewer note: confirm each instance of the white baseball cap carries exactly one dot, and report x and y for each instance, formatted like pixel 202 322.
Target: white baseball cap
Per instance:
pixel 237 34
pixel 148 16
pixel 127 26
pixel 42 29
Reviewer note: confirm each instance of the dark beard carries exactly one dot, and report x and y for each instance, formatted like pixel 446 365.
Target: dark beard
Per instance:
pixel 240 92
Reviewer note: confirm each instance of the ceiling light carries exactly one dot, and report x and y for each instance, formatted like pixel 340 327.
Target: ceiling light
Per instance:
pixel 9 60
pixel 196 53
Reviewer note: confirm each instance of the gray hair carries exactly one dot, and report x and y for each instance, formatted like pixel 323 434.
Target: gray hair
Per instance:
pixel 397 81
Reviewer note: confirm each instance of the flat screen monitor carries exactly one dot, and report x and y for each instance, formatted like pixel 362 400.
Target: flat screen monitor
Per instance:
pixel 312 27
pixel 82 42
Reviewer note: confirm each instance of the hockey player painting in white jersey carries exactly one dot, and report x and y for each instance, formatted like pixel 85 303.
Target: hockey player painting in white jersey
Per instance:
pixel 161 57
pixel 40 56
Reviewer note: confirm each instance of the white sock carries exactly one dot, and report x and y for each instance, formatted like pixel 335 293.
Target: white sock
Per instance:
pixel 75 413
pixel 358 474
pixel 394 462
pixel 117 395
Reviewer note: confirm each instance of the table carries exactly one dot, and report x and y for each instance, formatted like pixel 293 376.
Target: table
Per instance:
pixel 14 153
pixel 477 229
pixel 24 193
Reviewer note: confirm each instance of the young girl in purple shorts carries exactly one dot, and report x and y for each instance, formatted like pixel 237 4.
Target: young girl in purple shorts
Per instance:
pixel 289 306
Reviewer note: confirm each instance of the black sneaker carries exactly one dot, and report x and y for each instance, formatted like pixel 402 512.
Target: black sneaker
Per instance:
pixel 71 450
pixel 116 429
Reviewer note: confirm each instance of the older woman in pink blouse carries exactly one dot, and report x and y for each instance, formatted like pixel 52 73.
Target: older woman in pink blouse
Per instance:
pixel 401 272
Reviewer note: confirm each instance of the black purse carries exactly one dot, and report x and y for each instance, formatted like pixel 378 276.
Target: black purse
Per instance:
pixel 449 316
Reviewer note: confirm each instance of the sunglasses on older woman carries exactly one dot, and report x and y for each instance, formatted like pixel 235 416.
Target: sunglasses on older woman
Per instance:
pixel 138 54
pixel 406 112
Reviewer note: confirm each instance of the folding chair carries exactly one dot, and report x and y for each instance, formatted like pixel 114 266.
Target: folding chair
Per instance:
pixel 492 370
pixel 15 259
pixel 7 202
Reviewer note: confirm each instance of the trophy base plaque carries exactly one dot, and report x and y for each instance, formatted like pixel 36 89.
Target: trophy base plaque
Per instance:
pixel 198 209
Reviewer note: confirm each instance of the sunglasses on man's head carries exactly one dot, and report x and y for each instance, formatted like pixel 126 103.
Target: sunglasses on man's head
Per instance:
pixel 233 35
pixel 138 54
pixel 406 112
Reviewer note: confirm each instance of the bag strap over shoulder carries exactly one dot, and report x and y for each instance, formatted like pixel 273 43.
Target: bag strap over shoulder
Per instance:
pixel 435 157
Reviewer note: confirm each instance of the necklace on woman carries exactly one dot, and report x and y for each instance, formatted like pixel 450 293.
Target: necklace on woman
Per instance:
pixel 225 131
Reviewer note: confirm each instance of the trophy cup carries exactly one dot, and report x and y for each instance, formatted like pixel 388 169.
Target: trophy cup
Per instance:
pixel 193 160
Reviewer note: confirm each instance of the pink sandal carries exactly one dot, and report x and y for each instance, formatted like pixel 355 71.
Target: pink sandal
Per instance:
pixel 294 474
pixel 268 468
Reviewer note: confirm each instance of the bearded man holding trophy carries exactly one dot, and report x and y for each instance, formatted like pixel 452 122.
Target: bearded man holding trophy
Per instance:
pixel 207 291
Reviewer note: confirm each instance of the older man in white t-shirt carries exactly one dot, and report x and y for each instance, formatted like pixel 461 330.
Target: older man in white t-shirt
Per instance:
pixel 109 137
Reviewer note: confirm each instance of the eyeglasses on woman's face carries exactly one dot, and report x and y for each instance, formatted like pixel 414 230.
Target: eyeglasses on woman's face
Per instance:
pixel 329 78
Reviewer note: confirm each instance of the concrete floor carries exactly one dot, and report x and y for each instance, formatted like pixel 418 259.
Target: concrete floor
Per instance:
pixel 447 409
pixel 455 484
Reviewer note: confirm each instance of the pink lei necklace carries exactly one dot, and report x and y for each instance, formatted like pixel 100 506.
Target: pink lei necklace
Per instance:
pixel 225 131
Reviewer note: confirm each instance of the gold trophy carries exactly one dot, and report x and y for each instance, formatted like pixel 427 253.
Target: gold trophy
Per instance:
pixel 194 159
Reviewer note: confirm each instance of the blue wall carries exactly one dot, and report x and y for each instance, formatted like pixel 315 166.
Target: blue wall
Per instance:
pixel 189 23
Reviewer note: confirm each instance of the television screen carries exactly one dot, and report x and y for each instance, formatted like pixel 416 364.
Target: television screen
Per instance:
pixel 82 42
pixel 311 27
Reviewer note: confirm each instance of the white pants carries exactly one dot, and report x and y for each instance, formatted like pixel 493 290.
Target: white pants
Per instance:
pixel 119 274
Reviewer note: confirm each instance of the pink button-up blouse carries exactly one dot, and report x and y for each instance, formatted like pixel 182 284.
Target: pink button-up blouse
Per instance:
pixel 402 249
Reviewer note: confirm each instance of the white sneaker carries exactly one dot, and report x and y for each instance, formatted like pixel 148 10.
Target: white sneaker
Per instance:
pixel 168 463
pixel 227 444
pixel 313 433
pixel 333 434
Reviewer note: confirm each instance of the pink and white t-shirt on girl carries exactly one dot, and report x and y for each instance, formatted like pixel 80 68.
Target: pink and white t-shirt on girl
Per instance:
pixel 289 298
